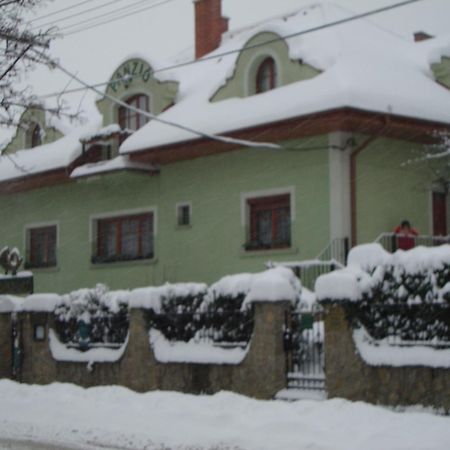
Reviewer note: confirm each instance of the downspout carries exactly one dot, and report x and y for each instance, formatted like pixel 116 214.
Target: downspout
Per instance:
pixel 353 175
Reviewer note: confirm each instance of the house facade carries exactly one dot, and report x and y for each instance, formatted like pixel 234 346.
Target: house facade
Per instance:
pixel 324 138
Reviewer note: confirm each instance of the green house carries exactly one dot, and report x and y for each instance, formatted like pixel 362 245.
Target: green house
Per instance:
pixel 272 144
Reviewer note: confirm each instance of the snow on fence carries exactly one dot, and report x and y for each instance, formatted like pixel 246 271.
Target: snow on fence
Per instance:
pixel 92 325
pixel 400 299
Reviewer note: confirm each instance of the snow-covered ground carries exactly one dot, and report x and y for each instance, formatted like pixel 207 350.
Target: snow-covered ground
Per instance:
pixel 65 416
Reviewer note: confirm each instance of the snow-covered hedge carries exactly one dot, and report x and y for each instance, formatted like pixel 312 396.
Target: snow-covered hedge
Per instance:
pixel 181 311
pixel 405 295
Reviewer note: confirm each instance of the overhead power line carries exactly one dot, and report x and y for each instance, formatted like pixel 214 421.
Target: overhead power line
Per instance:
pixel 105 18
pixel 247 48
pixel 223 139
pixel 59 11
pixel 80 13
pixel 123 16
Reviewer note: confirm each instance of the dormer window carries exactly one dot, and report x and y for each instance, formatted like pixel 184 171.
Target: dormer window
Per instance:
pixel 132 120
pixel 266 76
pixel 35 135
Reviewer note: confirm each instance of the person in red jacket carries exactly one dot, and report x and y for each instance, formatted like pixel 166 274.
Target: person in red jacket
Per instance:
pixel 405 235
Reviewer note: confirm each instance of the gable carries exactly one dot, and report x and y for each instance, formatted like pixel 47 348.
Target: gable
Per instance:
pixel 242 82
pixel 135 77
pixel 28 120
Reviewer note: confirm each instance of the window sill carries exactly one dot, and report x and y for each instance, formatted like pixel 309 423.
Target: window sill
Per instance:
pixel 269 252
pixel 183 227
pixel 41 269
pixel 126 263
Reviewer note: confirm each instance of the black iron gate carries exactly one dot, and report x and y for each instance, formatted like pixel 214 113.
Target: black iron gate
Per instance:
pixel 305 358
pixel 16 347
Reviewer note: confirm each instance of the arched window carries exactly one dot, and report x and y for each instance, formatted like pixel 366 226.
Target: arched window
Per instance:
pixel 131 120
pixel 35 136
pixel 266 76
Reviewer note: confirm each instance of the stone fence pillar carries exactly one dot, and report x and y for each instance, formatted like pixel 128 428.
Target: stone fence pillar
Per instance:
pixel 351 377
pixel 5 345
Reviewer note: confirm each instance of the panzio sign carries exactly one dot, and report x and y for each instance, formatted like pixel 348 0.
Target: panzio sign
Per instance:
pixel 130 71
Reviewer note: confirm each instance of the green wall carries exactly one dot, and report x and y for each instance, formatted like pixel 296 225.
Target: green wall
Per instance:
pixel 209 249
pixel 441 71
pixel 388 190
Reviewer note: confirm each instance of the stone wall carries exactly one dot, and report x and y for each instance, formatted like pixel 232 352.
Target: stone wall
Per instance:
pixel 348 376
pixel 5 345
pixel 260 375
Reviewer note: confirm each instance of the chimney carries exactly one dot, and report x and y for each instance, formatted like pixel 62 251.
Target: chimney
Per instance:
pixel 209 26
pixel 421 36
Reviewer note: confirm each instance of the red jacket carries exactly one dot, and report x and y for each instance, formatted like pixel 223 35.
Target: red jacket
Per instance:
pixel 405 237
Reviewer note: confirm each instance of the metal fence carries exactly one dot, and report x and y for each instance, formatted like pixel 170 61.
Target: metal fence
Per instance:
pixel 305 360
pixel 405 325
pixel 231 328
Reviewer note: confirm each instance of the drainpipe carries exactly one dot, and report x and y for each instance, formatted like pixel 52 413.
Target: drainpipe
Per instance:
pixel 353 175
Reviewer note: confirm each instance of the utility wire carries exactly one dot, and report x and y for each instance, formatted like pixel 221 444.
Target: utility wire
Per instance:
pixel 59 11
pixel 105 15
pixel 250 47
pixel 71 16
pixel 123 16
pixel 149 115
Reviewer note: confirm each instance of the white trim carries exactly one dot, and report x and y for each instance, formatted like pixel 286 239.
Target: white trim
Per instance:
pixel 266 193
pixel 178 205
pixel 118 213
pixel 257 58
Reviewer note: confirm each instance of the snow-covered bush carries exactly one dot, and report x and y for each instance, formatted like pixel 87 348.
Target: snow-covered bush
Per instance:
pixel 405 294
pixel 92 316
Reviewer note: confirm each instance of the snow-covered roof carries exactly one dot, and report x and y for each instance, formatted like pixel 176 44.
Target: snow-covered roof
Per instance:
pixel 363 66
pixel 46 157
pixel 120 163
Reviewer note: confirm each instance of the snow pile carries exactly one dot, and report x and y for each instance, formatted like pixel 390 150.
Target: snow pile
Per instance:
pixel 61 352
pixel 381 352
pixel 273 285
pixel 114 417
pixel 368 256
pixel 419 275
pixel 10 303
pixel 21 274
pixel 153 297
pixel 308 300
pixel 276 284
pixel 46 157
pixel 102 133
pixel 111 165
pixel 40 303
pixel 367 73
pixel 193 352
pixel 346 284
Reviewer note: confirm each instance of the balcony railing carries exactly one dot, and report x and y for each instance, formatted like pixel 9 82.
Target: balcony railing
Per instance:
pixel 390 241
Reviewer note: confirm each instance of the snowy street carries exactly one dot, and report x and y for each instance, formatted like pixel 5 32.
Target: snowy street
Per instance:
pixel 62 416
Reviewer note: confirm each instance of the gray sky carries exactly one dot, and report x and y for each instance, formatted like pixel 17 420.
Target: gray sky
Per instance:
pixel 167 30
